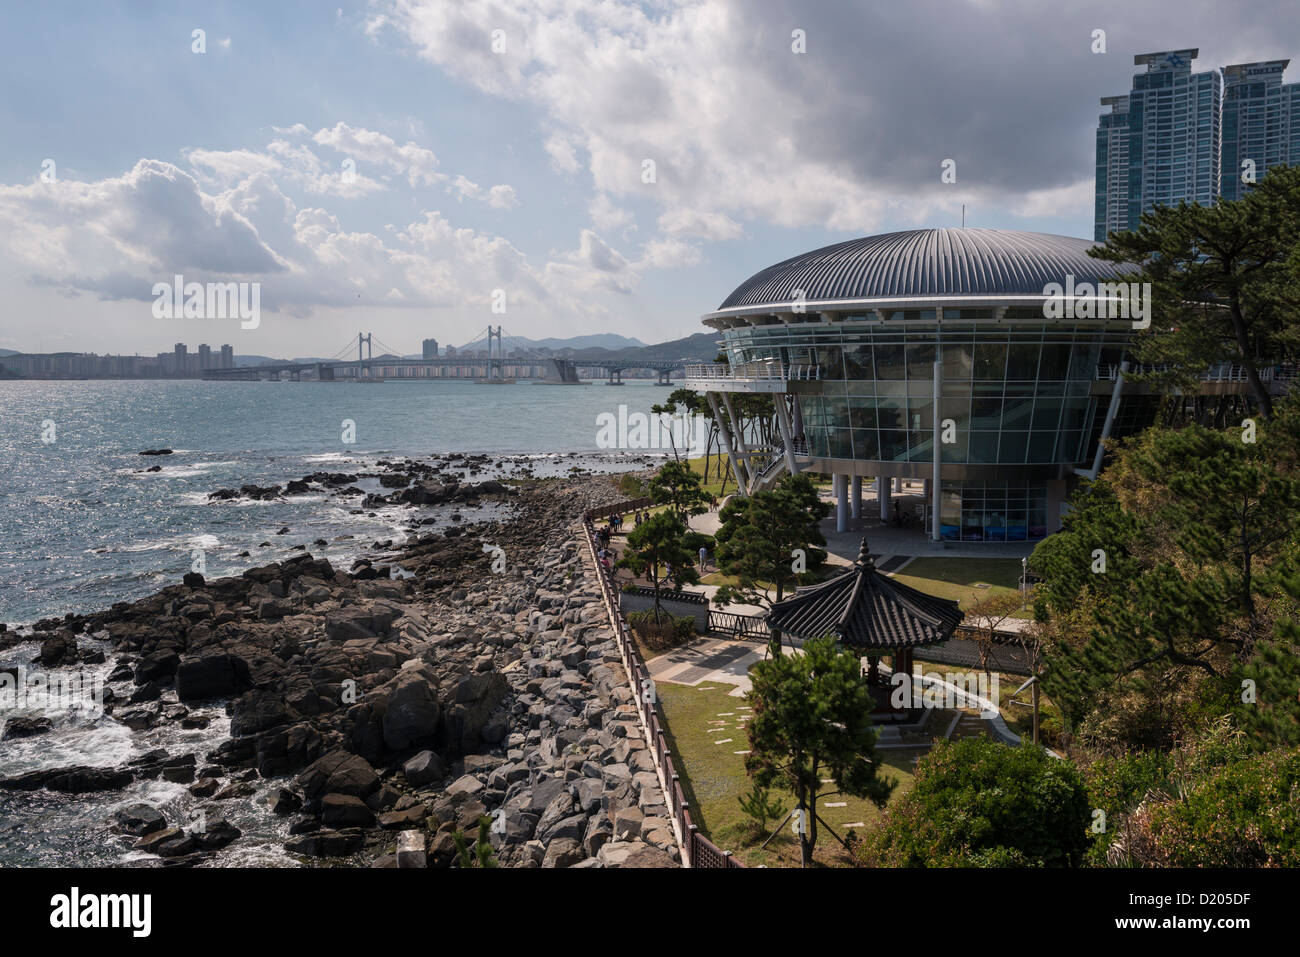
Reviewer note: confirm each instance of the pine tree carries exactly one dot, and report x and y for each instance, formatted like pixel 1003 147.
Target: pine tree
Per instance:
pixel 769 543
pixel 657 549
pixel 1224 282
pixel 812 719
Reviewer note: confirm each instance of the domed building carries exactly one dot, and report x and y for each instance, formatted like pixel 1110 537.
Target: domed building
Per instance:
pixel 861 342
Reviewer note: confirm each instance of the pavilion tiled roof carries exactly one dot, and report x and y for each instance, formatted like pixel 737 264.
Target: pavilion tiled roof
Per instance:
pixel 866 609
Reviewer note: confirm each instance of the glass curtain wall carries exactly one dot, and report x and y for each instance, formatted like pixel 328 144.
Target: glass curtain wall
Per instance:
pixel 1018 394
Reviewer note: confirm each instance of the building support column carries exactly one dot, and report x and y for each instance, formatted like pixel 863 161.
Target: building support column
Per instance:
pixel 724 433
pixel 742 453
pixel 841 487
pixel 936 483
pixel 856 501
pixel 787 438
pixel 885 485
pixel 1107 424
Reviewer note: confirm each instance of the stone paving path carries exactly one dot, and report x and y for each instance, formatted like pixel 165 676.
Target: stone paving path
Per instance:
pixel 717 660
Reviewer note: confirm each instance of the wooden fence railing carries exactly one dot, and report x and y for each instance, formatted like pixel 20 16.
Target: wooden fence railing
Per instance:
pixel 697 850
pixel 621 508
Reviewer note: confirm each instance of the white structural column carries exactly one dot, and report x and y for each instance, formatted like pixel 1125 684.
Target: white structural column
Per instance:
pixel 742 453
pixel 855 502
pixel 886 499
pixel 1111 410
pixel 725 435
pixel 787 439
pixel 841 487
pixel 936 484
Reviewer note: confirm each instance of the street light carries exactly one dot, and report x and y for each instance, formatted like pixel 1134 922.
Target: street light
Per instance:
pixel 1024 582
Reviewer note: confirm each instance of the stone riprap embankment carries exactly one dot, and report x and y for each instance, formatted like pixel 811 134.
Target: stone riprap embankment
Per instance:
pixel 391 712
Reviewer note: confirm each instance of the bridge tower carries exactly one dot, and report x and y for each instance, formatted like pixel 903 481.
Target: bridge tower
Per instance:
pixel 496 369
pixel 364 339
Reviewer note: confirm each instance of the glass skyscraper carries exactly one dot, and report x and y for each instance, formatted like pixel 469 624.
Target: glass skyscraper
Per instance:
pixel 1168 129
pixel 1261 123
pixel 1184 136
pixel 1112 167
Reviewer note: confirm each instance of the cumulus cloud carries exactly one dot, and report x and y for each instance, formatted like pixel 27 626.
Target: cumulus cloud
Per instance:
pixel 500 196
pixel 148 222
pixel 607 215
pixel 706 224
pixel 669 253
pixel 114 238
pixel 743 127
pixel 419 165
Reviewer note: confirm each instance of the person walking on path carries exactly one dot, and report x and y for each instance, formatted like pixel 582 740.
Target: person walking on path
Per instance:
pixel 704 557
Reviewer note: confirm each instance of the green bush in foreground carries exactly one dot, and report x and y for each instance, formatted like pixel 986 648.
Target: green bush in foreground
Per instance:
pixel 1242 815
pixel 978 803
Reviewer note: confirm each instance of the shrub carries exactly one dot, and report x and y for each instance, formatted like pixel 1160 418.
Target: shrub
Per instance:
pixel 1116 786
pixel 668 632
pixel 632 485
pixel 1242 815
pixel 978 803
pixel 693 540
pixel 761 807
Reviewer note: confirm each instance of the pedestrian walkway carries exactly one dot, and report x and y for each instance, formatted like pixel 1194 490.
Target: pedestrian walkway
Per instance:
pixel 711 660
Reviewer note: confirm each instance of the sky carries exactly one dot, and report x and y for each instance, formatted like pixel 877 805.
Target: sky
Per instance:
pixel 405 167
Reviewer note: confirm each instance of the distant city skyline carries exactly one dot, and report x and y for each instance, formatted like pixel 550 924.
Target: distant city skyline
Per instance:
pixel 608 166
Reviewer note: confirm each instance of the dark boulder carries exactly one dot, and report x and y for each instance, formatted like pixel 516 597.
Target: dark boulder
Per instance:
pixel 159 666
pixel 215 832
pixel 327 843
pixel 469 708
pixel 338 772
pixel 139 820
pixel 212 674
pixel 25 728
pixel 57 649
pixel 70 780
pixel 344 810
pixel 425 768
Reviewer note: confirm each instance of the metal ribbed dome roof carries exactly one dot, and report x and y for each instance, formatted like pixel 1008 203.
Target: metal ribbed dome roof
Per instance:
pixel 926 262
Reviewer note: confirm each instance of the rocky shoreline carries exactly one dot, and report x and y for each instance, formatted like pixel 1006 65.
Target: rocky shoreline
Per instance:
pixel 391 712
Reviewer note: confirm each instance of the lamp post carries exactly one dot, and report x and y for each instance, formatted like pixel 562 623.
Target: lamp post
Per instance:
pixel 1024 582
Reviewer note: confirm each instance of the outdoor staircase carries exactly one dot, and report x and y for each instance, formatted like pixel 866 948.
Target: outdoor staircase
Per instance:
pixel 776 468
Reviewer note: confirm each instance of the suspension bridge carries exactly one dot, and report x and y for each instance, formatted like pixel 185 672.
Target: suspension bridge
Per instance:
pixel 493 356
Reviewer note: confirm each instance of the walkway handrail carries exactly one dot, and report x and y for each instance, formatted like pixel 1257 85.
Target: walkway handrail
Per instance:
pixel 697 850
pixel 748 627
pixel 772 371
pixel 1218 372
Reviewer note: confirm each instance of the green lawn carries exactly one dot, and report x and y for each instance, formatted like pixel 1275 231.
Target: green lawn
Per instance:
pixel 957 578
pixel 719 466
pixel 698 720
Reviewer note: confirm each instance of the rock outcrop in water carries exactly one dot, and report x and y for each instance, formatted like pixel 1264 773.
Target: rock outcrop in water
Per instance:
pixel 396 712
